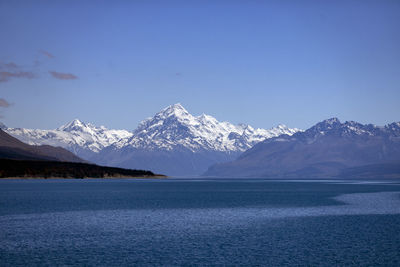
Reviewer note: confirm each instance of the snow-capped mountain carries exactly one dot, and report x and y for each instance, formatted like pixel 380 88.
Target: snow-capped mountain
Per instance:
pixel 84 139
pixel 172 142
pixel 328 149
pixel 175 126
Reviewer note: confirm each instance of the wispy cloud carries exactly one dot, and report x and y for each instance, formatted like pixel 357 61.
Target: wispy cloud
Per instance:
pixel 5 76
pixel 9 65
pixel 36 63
pixel 63 76
pixel 4 103
pixel 47 54
pixel 11 70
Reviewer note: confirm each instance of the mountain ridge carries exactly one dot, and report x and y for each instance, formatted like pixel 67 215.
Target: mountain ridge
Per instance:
pixel 204 131
pixel 157 141
pixel 326 149
pixel 12 148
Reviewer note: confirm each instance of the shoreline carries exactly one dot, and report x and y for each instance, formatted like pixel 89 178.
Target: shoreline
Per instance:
pixel 85 178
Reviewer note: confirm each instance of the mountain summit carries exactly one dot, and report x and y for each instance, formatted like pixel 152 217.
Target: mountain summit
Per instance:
pixel 173 141
pixel 329 149
pixel 12 148
pixel 175 126
pixel 176 110
pixel 83 139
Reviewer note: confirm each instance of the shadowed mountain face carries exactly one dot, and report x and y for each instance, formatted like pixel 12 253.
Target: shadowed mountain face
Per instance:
pixel 177 143
pixel 173 141
pixel 18 159
pixel 12 148
pixel 328 149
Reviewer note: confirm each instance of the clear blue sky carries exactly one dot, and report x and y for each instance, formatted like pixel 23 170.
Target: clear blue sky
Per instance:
pixel 114 63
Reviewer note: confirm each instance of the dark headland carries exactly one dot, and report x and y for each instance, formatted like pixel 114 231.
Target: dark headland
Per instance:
pixel 56 169
pixel 20 160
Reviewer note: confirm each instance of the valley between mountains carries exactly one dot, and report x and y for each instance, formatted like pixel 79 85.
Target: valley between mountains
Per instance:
pixel 176 143
pixel 172 142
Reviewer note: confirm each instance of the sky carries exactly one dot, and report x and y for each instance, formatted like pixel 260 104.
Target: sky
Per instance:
pixel 263 63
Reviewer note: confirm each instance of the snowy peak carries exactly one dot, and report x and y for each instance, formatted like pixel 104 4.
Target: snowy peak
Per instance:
pixel 170 128
pixel 326 150
pixel 327 124
pixel 173 115
pixel 283 129
pixel 176 110
pixel 349 129
pixel 75 136
pixel 395 126
pixel 75 125
pixel 332 121
pixel 175 126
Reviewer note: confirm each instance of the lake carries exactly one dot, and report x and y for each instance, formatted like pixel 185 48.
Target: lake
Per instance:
pixel 114 222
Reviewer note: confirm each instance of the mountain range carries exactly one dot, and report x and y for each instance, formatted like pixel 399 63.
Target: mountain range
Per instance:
pixel 12 148
pixel 18 159
pixel 172 142
pixel 329 149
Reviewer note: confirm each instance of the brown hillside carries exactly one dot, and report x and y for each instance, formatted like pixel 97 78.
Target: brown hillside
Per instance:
pixel 12 148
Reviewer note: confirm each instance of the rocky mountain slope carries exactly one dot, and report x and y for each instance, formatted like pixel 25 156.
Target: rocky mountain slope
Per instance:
pixel 173 141
pixel 83 139
pixel 12 148
pixel 175 126
pixel 328 149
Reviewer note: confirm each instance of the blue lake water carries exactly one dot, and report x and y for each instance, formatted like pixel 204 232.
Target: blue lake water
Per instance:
pixel 199 222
